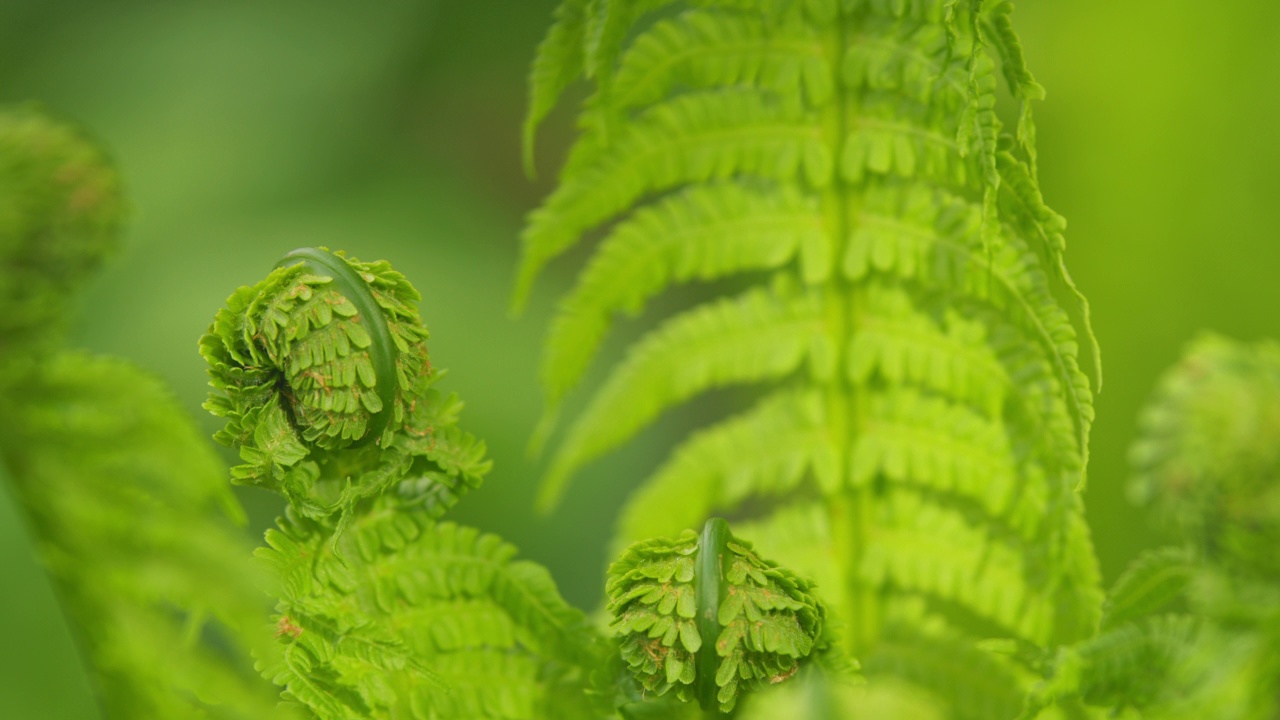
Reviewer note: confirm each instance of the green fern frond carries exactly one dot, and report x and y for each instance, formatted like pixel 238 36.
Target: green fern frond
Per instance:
pixel 406 617
pixel 1207 461
pixel 130 512
pixel 321 371
pixel 130 509
pixel 1125 666
pixel 921 347
pixel 970 683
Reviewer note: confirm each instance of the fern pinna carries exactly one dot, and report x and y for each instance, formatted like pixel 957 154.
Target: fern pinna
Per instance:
pixel 909 337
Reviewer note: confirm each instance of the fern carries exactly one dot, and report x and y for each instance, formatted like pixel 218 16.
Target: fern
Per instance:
pixel 321 372
pixel 1193 632
pixel 1206 461
pixel 910 330
pixel 132 516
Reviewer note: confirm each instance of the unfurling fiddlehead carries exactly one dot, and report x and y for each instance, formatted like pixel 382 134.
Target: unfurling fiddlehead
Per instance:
pixel 1208 459
pixel 706 616
pixel 322 373
pixel 382 612
pixel 60 215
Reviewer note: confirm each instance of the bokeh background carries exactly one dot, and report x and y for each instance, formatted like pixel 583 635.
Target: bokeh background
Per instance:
pixel 246 128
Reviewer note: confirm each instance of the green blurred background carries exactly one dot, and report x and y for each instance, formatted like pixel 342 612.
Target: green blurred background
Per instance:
pixel 246 128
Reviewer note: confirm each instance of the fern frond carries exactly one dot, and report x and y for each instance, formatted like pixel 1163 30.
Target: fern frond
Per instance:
pixel 1126 666
pixel 401 616
pixel 130 510
pixel 936 443
pixel 970 683
pixel 321 371
pixel 704 615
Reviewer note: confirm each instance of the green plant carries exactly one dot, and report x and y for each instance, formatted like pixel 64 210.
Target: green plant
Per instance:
pixel 905 479
pixel 917 420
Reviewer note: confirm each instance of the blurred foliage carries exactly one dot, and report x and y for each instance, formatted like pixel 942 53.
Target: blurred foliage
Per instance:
pixel 245 129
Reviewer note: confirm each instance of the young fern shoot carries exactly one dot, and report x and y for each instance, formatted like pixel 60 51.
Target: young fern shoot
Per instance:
pixel 322 373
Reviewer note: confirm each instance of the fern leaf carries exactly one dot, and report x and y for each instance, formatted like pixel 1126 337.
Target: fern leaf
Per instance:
pixel 1126 666
pixel 60 216
pixel 938 442
pixel 558 64
pixel 96 449
pixel 970 683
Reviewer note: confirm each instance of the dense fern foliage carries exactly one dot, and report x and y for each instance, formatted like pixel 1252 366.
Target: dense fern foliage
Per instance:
pixel 909 338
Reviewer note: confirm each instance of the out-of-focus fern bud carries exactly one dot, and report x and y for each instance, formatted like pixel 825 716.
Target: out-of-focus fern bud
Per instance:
pixel 321 371
pixel 1208 457
pixel 706 616
pixel 60 215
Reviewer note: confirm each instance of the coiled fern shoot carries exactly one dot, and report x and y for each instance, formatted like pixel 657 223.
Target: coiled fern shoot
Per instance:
pixel 911 344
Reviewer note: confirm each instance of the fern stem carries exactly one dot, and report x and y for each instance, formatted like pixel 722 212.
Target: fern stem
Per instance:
pixel 849 511
pixel 708 593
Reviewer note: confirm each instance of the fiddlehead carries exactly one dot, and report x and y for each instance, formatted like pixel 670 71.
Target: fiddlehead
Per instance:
pixel 321 371
pixel 61 211
pixel 1208 457
pixel 704 615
